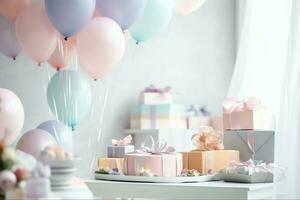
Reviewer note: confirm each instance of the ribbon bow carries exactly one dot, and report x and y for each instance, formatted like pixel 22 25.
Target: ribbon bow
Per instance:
pixel 156 147
pixel 233 105
pixel 122 142
pixel 199 111
pixel 153 88
pixel 208 140
pixel 251 167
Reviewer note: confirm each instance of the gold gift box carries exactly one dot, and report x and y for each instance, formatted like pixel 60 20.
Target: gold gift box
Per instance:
pixel 112 163
pixel 209 161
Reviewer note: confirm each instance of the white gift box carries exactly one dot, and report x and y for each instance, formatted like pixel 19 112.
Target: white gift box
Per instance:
pixel 263 144
pixel 157 98
pixel 179 139
pixel 195 122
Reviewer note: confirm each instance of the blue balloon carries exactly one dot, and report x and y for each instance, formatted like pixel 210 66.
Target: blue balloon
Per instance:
pixel 69 97
pixel 70 16
pixel 57 129
pixel 155 18
pixel 124 12
pixel 60 132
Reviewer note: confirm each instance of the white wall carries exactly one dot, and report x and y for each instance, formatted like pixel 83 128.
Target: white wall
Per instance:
pixel 195 56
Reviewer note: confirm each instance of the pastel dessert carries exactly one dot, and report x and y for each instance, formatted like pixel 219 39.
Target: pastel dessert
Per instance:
pixel 54 152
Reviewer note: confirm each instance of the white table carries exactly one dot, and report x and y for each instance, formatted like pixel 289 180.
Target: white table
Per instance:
pixel 205 190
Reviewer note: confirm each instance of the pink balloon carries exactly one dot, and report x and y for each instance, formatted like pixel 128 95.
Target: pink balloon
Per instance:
pixel 11 116
pixel 101 45
pixel 35 33
pixel 63 53
pixel 11 8
pixel 186 7
pixel 35 141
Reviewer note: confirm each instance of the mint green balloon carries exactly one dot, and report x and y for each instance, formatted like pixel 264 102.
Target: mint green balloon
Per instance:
pixel 69 97
pixel 155 19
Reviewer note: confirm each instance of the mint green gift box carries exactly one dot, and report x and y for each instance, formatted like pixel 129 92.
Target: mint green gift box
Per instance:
pixel 162 116
pixel 158 110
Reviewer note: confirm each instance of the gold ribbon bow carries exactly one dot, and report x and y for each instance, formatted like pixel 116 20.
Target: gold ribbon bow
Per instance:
pixel 208 140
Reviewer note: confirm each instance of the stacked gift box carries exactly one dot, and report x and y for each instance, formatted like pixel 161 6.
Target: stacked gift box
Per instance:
pixel 249 127
pixel 158 111
pixel 114 163
pixel 215 143
pixel 159 115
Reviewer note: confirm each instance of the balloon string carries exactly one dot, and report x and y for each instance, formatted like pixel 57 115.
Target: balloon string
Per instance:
pixel 99 136
pixel 102 112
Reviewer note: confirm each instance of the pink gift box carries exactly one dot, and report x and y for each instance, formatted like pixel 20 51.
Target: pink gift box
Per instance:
pixel 160 165
pixel 217 123
pixel 259 119
pixel 249 114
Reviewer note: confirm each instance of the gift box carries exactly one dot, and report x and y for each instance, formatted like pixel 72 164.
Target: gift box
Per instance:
pixel 198 117
pixel 157 159
pixel 246 115
pixel 251 172
pixel 209 162
pixel 217 123
pixel 167 116
pixel 119 148
pixel 112 163
pixel 259 145
pixel 177 138
pixel 119 151
pixel 156 98
pixel 153 95
pixel 209 156
pixel 198 121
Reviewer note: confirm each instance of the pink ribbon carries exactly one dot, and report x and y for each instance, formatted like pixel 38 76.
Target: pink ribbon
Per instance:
pixel 156 147
pixel 125 141
pixel 208 140
pixel 231 105
pixel 153 88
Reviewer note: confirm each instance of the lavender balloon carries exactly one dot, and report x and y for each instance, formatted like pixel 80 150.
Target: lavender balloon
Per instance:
pixel 62 133
pixel 35 141
pixel 70 16
pixel 124 12
pixel 9 44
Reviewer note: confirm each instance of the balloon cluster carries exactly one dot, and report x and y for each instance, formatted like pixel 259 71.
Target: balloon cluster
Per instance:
pixel 52 32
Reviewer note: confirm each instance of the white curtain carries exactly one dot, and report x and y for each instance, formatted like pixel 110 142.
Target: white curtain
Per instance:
pixel 268 67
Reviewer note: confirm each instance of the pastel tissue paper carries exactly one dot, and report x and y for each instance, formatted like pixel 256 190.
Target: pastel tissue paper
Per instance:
pixel 164 116
pixel 251 171
pixel 249 114
pixel 198 117
pixel 119 148
pixel 153 95
pixel 209 156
